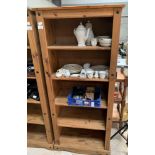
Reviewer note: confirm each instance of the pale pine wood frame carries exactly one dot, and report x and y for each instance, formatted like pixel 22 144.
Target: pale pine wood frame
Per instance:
pixel 40 79
pixel 82 12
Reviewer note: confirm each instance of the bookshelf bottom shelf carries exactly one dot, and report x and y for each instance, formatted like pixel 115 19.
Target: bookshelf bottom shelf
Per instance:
pixel 36 137
pixel 82 141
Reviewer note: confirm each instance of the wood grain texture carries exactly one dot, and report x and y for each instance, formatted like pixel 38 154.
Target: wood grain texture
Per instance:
pixel 112 75
pixel 85 48
pixel 34 115
pixel 32 101
pixel 36 137
pixel 81 118
pixel 47 67
pixel 34 44
pixel 82 141
pixel 81 7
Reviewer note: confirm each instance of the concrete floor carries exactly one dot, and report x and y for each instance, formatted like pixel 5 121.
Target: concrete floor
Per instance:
pixel 118 147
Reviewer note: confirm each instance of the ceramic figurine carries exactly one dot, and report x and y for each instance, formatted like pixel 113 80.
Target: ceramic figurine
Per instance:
pixel 102 74
pixel 66 73
pixel 96 74
pixel 90 73
pixel 90 34
pixel 93 41
pixel 58 74
pixel 83 74
pixel 81 34
pixel 86 65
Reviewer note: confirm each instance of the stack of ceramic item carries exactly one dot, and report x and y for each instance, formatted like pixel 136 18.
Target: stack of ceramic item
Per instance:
pixel 75 70
pixel 85 36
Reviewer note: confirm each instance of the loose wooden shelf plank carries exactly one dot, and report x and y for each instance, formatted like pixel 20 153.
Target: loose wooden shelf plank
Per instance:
pixel 92 119
pixel 116 115
pixel 34 115
pixel 62 101
pixel 31 75
pixel 53 77
pixel 32 101
pixel 85 48
pixel 36 137
pixel 82 141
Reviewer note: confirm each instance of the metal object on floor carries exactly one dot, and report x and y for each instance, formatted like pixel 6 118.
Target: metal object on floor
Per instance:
pixel 121 132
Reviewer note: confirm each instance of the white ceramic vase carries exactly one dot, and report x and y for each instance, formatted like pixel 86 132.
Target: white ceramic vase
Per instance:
pixel 81 34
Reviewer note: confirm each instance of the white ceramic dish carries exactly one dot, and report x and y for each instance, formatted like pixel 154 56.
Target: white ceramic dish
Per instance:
pixel 99 67
pixel 73 68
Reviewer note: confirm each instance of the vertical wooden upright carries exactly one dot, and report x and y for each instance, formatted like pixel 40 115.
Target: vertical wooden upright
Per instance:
pixel 40 78
pixel 112 74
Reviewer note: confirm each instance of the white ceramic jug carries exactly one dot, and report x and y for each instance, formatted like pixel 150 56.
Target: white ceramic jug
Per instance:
pixel 81 34
pixel 90 34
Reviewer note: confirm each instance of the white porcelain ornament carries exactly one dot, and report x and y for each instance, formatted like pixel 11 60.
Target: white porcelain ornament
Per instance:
pixel 90 34
pixel 81 34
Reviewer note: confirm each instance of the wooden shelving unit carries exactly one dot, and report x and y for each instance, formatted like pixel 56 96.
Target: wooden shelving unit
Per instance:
pixel 40 133
pixel 79 129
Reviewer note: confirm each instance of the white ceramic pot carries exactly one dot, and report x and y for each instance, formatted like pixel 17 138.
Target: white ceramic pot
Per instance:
pixel 81 34
pixel 83 74
pixel 96 74
pixel 94 41
pixel 105 40
pixel 102 74
pixel 90 34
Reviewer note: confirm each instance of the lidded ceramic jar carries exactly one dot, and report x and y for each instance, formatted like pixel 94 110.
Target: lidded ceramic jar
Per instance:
pixel 81 34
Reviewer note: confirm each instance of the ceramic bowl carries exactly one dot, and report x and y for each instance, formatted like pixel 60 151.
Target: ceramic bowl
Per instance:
pixel 105 45
pixel 105 40
pixel 99 37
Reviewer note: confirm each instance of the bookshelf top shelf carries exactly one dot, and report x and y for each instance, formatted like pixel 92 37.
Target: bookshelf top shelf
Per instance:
pixel 78 7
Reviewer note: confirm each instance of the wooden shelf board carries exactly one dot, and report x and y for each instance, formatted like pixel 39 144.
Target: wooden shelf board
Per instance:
pixel 34 115
pixel 31 75
pixel 85 142
pixel 35 119
pixel 116 115
pixel 62 101
pixel 36 137
pixel 32 101
pixel 92 119
pixel 85 48
pixel 53 77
